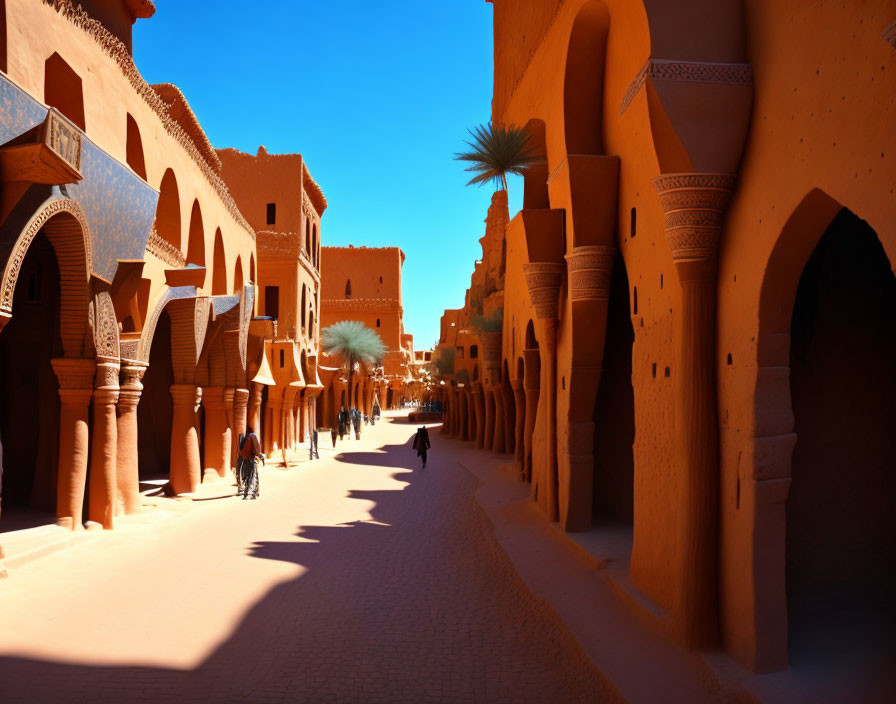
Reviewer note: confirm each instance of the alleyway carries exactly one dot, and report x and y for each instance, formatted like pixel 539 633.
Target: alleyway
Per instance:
pixel 352 579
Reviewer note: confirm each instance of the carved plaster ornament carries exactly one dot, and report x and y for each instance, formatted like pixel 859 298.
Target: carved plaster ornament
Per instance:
pixel 590 270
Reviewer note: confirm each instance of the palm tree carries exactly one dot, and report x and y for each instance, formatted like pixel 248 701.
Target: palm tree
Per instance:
pixel 355 343
pixel 498 150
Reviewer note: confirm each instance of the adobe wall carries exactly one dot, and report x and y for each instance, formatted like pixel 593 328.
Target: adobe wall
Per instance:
pixel 256 180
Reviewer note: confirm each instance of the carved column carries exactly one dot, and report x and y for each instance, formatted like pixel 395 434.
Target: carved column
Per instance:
pixel 543 281
pixel 590 270
pixel 498 443
pixel 186 470
pixel 254 412
pixel 76 380
pixel 104 449
pixel 217 439
pixel 128 455
pixel 532 386
pixel 519 398
pixel 240 403
pixel 695 205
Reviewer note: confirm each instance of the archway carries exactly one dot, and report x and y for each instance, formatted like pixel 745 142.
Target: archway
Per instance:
pixel 219 267
pixel 238 276
pixel 29 401
pixel 840 523
pixel 614 411
pixel 583 85
pixel 168 211
pixel 196 246
pixel 63 89
pixel 134 149
pixel 156 409
pixel 252 277
pixel 535 180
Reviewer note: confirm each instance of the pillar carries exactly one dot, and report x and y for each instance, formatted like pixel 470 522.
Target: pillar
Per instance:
pixel 519 399
pixel 128 479
pixel 76 381
pixel 543 281
pixel 217 440
pixel 104 444
pixel 254 410
pixel 275 408
pixel 498 443
pixel 695 205
pixel 480 414
pixel 240 405
pixel 532 387
pixel 186 471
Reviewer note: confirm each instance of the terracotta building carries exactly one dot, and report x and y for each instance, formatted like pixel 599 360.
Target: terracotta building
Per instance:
pixel 284 205
pixel 698 309
pixel 127 273
pixel 364 284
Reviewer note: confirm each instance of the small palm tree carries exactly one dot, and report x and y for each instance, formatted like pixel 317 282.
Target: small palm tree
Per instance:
pixel 355 343
pixel 498 150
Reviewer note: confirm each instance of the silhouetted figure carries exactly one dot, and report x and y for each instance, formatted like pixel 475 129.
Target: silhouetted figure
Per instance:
pixel 312 446
pixel 356 422
pixel 247 465
pixel 422 444
pixel 343 419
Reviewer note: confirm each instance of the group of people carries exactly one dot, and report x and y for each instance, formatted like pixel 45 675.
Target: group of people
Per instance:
pixel 250 453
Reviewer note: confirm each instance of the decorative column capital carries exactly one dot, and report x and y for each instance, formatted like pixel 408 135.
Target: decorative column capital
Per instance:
pixel 241 396
pixel 74 373
pixel 543 281
pixel 590 269
pixel 133 374
pixel 213 397
pixel 695 208
pixel 108 370
pixel 186 395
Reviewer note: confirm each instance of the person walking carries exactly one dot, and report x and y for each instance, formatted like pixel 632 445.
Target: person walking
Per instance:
pixel 422 444
pixel 356 423
pixel 247 465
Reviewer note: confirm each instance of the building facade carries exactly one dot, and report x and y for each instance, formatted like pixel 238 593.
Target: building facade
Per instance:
pixel 284 205
pixel 695 354
pixel 128 270
pixel 364 284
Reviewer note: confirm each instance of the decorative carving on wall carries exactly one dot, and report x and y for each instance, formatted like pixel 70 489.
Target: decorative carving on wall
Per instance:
pixel 64 139
pixel 107 372
pixel 118 52
pixel 164 250
pixel 543 281
pixel 105 327
pixel 590 268
pixel 382 304
pixel 695 207
pixel 691 71
pixel 20 249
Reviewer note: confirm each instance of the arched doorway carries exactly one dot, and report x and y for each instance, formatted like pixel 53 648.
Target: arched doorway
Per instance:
pixel 29 400
pixel 156 409
pixel 614 410
pixel 840 522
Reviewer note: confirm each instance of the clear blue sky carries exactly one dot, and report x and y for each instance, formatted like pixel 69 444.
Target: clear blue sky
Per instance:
pixel 376 95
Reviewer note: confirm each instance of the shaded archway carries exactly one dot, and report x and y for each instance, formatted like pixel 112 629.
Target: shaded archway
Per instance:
pixel 583 83
pixel 840 523
pixel 196 246
pixel 614 410
pixel 219 267
pixel 252 277
pixel 29 402
pixel 155 412
pixel 134 148
pixel 238 275
pixel 535 180
pixel 63 89
pixel 315 245
pixel 168 211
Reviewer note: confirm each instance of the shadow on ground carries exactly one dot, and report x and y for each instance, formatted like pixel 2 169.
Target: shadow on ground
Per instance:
pixel 417 604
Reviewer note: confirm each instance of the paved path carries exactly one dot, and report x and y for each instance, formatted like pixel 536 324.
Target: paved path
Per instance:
pixel 352 579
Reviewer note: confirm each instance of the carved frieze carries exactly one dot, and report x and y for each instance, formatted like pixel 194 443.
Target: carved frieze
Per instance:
pixel 543 281
pixel 695 208
pixel 590 268
pixel 164 250
pixel 691 71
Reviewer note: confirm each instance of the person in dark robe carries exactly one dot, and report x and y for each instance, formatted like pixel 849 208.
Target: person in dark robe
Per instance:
pixel 422 444
pixel 247 465
pixel 356 423
pixel 342 422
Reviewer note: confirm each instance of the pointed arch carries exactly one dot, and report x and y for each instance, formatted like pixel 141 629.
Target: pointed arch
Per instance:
pixel 219 266
pixel 134 148
pixel 168 216
pixel 196 245
pixel 63 89
pixel 252 277
pixel 238 275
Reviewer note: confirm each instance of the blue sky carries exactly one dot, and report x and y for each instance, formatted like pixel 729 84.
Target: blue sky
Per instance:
pixel 376 95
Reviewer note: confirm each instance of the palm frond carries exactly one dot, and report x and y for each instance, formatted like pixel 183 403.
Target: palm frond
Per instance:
pixel 496 151
pixel 353 341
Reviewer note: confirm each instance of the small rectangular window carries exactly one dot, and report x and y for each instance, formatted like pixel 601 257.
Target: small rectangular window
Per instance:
pixel 459 353
pixel 272 213
pixel 272 301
